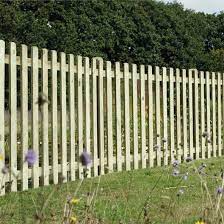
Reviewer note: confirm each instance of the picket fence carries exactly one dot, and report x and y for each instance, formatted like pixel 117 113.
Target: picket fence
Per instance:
pixel 126 116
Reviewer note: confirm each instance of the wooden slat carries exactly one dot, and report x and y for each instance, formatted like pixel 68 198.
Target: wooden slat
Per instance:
pixel 44 110
pixel 178 107
pixel 150 103
pixel 35 113
pixel 54 116
pixel 127 116
pixel 80 112
pixel 135 115
pixel 101 116
pixel 191 130
pixel 2 112
pixel 184 99
pixel 143 134
pixel 24 115
pixel 172 147
pixel 63 118
pixel 214 126
pixel 94 117
pixel 202 99
pixel 87 108
pixel 158 138
pixel 223 111
pixel 118 115
pixel 165 118
pixel 71 76
pixel 109 118
pixel 208 116
pixel 13 116
pixel 219 116
pixel 196 114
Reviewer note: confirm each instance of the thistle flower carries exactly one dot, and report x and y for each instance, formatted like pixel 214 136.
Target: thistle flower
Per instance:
pixel 85 159
pixel 31 157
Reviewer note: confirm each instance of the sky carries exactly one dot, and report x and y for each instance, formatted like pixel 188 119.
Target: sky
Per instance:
pixel 207 6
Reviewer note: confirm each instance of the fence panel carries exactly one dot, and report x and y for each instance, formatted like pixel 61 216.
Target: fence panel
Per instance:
pixel 183 110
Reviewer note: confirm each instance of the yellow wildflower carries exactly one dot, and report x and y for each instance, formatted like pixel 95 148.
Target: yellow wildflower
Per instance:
pixel 75 201
pixel 1 157
pixel 73 219
pixel 200 222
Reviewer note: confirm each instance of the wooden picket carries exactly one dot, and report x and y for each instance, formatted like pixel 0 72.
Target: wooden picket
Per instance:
pixel 24 114
pixel 183 110
pixel 2 117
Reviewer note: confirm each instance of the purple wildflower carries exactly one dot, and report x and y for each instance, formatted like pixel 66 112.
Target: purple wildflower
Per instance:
pixel 5 170
pixel 175 163
pixel 31 157
pixel 220 190
pixel 176 172
pixel 85 159
pixel 189 159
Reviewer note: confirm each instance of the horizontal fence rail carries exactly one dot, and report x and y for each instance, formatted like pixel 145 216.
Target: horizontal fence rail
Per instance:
pixel 124 115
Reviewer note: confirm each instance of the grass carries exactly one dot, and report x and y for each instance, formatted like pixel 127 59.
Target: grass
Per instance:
pixel 139 196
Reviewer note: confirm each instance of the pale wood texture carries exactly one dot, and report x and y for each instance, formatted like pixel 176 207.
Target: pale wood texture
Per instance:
pixel 173 151
pixel 71 76
pixel 165 118
pixel 24 114
pixel 208 114
pixel 143 133
pixel 54 116
pixel 184 98
pixel 94 117
pixel 2 117
pixel 44 110
pixel 101 116
pixel 135 115
pixel 109 118
pixel 214 130
pixel 80 113
pixel 13 116
pixel 202 103
pixel 118 115
pixel 158 137
pixel 191 123
pixel 63 118
pixel 127 116
pixel 219 115
pixel 150 117
pixel 196 114
pixel 178 109
pixel 35 114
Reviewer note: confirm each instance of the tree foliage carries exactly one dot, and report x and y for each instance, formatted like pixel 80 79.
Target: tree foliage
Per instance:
pixel 142 32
